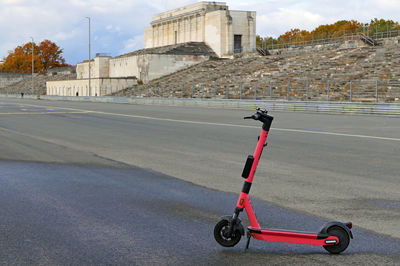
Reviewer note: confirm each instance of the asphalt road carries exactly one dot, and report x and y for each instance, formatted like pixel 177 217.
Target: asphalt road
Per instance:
pixel 55 214
pixel 328 166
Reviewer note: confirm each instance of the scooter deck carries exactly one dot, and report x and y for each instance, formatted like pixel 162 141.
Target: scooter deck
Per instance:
pixel 289 236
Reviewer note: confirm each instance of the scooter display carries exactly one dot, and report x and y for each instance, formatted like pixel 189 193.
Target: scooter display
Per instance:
pixel 333 237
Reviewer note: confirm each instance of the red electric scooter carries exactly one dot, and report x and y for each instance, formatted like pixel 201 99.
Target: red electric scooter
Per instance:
pixel 334 236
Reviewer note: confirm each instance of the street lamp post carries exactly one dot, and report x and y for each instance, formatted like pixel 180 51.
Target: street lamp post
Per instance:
pixel 89 57
pixel 32 66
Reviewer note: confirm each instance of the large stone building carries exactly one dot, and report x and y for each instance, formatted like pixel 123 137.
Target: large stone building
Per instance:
pixel 225 31
pixel 177 39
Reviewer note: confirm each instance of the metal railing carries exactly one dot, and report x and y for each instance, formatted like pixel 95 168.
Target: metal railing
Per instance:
pixel 296 90
pixel 333 39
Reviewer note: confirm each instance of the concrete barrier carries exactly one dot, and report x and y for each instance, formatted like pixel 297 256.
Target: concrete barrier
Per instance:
pixel 386 109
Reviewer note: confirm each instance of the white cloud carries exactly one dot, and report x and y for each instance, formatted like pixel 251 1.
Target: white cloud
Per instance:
pixel 284 19
pixel 118 24
pixel 132 44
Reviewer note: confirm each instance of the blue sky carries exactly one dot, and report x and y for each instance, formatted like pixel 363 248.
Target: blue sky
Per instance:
pixel 117 25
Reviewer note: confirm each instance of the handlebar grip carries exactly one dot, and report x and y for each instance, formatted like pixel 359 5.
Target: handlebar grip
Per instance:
pixel 248 117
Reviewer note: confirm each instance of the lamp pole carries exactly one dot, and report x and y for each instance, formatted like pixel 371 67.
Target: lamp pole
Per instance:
pixel 89 57
pixel 33 69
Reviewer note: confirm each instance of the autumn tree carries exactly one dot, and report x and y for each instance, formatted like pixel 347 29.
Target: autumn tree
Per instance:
pixel 382 26
pixel 47 54
pixel 50 55
pixel 330 31
pixel 337 29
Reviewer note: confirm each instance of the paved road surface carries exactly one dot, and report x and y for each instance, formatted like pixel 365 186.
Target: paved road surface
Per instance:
pixel 59 214
pixel 330 166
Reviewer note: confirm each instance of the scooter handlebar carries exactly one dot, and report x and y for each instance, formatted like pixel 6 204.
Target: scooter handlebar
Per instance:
pixel 256 116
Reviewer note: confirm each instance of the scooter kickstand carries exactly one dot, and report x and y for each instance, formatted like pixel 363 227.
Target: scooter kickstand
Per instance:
pixel 248 241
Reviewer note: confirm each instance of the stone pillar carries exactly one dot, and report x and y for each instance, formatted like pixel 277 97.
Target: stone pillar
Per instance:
pixel 185 25
pixel 198 38
pixel 203 27
pixel 175 32
pixel 159 35
pixel 251 26
pixel 169 33
pixel 179 30
pixel 229 34
pixel 162 34
pixel 153 34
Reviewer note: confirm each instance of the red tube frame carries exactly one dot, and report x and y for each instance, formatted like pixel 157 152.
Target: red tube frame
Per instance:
pixel 275 235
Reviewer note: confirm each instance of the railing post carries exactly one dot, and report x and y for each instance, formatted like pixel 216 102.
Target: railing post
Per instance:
pixel 255 91
pixel 227 91
pixel 202 91
pixel 173 91
pixel 215 90
pixel 329 90
pixel 192 90
pixel 183 91
pixel 308 90
pixel 351 91
pixel 376 92
pixel 241 89
pixel 288 91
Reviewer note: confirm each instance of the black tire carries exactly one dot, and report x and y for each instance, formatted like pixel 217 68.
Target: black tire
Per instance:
pixel 221 238
pixel 344 240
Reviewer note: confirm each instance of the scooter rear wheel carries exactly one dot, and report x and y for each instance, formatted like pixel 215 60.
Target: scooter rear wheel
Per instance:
pixel 344 240
pixel 220 234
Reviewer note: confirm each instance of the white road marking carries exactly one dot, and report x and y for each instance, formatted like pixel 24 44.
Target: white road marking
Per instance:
pixel 43 113
pixel 221 124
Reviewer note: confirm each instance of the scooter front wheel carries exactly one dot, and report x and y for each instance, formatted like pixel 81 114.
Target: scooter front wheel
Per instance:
pixel 344 240
pixel 221 234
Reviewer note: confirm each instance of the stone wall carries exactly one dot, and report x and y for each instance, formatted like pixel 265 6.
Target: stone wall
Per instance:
pixel 7 79
pixel 99 86
pixel 39 84
pixel 146 64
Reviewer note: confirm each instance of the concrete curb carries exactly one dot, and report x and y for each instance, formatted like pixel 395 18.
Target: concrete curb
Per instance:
pixel 386 109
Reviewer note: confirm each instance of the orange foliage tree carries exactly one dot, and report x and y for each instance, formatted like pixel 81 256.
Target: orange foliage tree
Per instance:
pixel 47 54
pixel 336 30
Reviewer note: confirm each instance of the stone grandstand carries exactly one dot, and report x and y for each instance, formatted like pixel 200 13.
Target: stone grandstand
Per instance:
pixel 39 84
pixel 362 69
pixel 357 67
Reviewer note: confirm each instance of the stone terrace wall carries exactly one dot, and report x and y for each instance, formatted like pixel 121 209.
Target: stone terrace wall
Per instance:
pixel 340 66
pixel 39 83
pixel 11 78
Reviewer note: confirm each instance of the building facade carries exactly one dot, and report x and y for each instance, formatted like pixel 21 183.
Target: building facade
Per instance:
pixel 109 75
pixel 177 39
pixel 225 31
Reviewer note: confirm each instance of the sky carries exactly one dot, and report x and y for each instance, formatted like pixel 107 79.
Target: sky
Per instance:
pixel 117 25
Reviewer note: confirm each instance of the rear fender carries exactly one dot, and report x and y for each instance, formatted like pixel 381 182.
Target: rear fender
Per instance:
pixel 326 226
